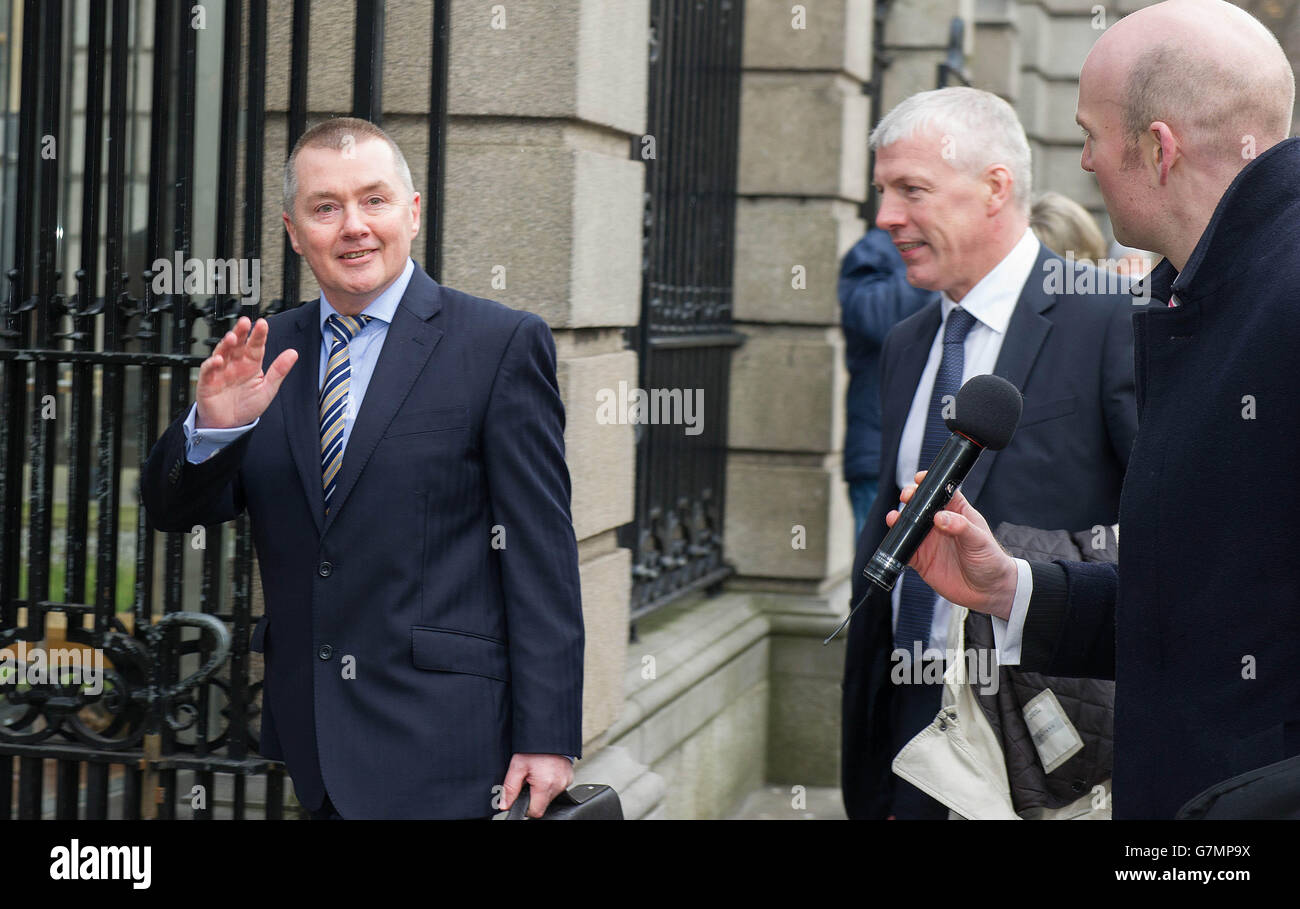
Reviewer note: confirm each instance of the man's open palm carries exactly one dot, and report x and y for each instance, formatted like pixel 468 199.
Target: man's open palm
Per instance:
pixel 233 390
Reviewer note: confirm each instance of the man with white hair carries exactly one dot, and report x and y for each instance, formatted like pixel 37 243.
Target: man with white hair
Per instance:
pixel 954 178
pixel 1186 108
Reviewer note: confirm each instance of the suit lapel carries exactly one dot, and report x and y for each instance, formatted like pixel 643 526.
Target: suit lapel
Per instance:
pixel 410 341
pixel 300 399
pixel 1026 332
pixel 897 399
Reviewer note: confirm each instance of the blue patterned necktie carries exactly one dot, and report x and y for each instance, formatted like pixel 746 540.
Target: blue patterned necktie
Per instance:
pixel 334 398
pixel 916 602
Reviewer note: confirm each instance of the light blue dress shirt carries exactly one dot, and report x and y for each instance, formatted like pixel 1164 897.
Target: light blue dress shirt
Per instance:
pixel 363 354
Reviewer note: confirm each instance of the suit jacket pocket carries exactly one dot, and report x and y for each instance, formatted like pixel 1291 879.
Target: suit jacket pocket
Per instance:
pixel 1041 412
pixel 444 650
pixel 440 419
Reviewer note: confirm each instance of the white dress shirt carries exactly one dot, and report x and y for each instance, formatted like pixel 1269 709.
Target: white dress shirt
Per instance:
pixel 991 302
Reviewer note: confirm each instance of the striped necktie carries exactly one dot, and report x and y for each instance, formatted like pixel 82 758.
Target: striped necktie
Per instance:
pixel 334 398
pixel 916 600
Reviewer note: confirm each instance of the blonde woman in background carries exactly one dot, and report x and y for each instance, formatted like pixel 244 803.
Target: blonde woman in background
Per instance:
pixel 1065 227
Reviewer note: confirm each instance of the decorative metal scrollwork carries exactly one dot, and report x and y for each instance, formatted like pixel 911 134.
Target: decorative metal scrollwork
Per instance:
pixel 132 696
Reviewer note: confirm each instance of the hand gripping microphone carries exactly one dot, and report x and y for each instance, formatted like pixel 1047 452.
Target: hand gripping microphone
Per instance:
pixel 985 415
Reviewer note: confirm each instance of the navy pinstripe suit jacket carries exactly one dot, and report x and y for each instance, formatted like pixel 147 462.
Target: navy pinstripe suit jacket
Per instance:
pixel 431 625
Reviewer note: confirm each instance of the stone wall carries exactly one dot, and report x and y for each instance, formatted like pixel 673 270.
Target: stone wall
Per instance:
pixel 1030 52
pixel 543 212
pixel 802 177
pixel 789 532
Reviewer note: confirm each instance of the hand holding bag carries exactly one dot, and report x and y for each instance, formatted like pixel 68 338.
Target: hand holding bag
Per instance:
pixel 587 802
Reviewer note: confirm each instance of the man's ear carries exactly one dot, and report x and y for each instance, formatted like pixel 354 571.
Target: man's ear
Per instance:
pixel 415 214
pixel 293 233
pixel 1164 152
pixel 1000 186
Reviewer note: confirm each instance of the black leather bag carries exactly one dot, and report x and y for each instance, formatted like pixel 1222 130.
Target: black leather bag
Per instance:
pixel 588 802
pixel 1267 792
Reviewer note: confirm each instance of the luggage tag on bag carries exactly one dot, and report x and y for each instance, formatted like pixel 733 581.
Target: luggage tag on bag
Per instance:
pixel 1054 735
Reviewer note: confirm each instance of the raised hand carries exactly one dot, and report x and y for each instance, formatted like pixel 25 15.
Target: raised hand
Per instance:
pixel 961 560
pixel 233 390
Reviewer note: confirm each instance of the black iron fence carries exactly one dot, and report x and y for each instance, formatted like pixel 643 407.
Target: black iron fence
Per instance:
pixel 685 336
pixel 139 137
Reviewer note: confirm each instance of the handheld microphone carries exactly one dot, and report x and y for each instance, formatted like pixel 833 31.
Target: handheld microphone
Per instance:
pixel 985 415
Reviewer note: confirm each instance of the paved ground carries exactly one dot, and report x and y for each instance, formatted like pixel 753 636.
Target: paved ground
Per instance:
pixel 221 800
pixel 792 803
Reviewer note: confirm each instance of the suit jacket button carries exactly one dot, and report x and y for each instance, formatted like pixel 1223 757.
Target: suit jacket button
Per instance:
pixel 325 652
pixel 326 569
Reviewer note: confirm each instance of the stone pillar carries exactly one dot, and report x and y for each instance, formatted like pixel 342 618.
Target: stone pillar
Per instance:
pixel 995 65
pixel 789 526
pixel 543 213
pixel 916 42
pixel 1055 38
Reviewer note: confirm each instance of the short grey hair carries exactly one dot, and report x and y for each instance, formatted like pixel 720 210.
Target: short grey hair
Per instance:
pixel 984 130
pixel 339 133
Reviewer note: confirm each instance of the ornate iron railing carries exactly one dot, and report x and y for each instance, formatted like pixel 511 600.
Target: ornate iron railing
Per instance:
pixel 685 336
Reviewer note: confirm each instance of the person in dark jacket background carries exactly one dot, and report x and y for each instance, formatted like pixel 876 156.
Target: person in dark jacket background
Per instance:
pixel 874 297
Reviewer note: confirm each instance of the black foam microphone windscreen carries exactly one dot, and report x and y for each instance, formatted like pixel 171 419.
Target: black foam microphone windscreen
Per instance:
pixel 986 411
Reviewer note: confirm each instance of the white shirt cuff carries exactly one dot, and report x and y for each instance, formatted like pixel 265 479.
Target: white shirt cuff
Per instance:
pixel 1007 633
pixel 201 444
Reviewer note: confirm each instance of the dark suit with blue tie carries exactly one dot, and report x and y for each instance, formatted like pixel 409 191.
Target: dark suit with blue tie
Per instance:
pixel 429 625
pixel 1071 355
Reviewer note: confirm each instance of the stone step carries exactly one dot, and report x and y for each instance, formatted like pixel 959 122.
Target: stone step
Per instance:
pixel 779 802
